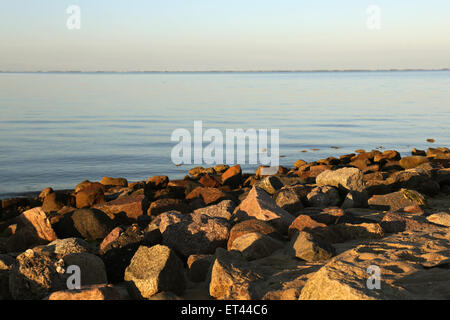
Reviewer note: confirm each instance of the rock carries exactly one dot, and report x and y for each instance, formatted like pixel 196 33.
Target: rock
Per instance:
pixel 34 228
pixel 221 168
pixel 324 196
pixel 331 215
pixel 413 179
pixel 231 278
pixel 412 161
pixel 198 266
pixel 6 263
pixel 209 181
pixel 34 276
pixel 164 205
pixel 299 163
pixel 289 198
pixel 349 180
pixel 397 201
pixel 64 247
pixel 119 182
pixel 196 234
pixel 63 225
pixel 393 223
pixel 255 245
pixel 157 182
pixel 131 206
pixel 252 226
pixel 303 223
pixel 155 269
pixel 362 231
pixel 45 192
pixel 86 184
pixel 223 209
pixel 92 268
pixel 387 155
pixel 304 246
pixel 92 224
pixel 270 184
pixel 258 204
pixel 89 196
pixel 112 236
pixel 438 153
pixel 417 152
pixel 55 201
pixel 208 195
pixel 93 292
pixel 440 218
pixel 119 247
pixel 406 261
pixel 232 177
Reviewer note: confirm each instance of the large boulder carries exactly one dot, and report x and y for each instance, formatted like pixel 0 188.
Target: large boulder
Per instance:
pixel 155 269
pixel 92 224
pixel 131 206
pixel 259 205
pixel 119 247
pixel 252 226
pixel 304 246
pixel 33 228
pixel 92 268
pixel 406 261
pixel 412 161
pixel 349 181
pixel 55 201
pixel 89 196
pixel 34 276
pixel 255 245
pixel 223 209
pixel 270 184
pixel 232 177
pixel 397 201
pixel 414 179
pixel 324 196
pixel 208 195
pixel 195 234
pixel 289 198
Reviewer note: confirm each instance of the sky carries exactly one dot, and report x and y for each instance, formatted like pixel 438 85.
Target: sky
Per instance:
pixel 200 35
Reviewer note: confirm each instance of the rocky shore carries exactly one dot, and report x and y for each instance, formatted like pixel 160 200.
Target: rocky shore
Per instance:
pixel 309 232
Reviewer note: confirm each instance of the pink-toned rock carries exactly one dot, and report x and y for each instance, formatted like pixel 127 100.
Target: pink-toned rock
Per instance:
pixel 112 236
pixel 261 206
pixel 34 228
pixel 304 223
pixel 131 205
pixel 232 176
pixel 209 195
pixel 94 292
pixel 89 196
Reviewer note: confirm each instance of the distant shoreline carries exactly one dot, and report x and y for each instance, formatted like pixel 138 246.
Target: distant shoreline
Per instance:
pixel 226 71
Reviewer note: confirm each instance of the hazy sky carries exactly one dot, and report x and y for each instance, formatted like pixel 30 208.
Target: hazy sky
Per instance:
pixel 223 35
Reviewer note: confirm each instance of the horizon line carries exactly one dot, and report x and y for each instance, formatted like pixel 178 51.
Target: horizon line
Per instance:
pixel 228 71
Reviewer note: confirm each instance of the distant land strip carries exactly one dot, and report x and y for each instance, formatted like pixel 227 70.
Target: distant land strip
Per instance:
pixel 229 71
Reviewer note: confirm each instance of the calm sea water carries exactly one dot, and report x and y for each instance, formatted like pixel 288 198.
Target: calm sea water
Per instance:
pixel 59 129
